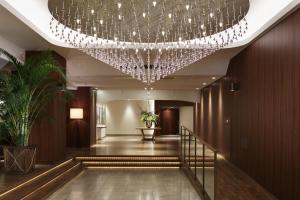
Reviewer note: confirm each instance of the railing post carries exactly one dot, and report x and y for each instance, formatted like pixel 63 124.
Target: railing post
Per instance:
pixel 195 163
pixel 189 149
pixel 181 142
pixel 215 174
pixel 203 170
pixel 184 145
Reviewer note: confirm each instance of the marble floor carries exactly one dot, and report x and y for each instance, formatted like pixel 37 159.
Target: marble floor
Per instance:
pixel 128 185
pixel 131 145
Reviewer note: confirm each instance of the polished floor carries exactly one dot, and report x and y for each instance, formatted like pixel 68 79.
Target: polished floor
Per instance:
pixel 132 145
pixel 128 185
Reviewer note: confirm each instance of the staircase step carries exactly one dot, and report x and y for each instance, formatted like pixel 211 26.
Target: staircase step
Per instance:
pixel 123 162
pixel 132 164
pixel 41 184
pixel 128 158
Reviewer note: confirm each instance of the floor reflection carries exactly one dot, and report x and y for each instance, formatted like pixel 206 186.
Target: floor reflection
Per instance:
pixel 132 145
pixel 128 185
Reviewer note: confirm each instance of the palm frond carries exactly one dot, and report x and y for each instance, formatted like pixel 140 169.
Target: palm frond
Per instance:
pixel 26 92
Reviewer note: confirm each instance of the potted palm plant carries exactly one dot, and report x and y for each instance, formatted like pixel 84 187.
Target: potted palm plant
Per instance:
pixel 149 118
pixel 24 93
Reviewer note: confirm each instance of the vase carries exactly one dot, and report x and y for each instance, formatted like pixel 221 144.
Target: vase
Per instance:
pixel 19 159
pixel 148 124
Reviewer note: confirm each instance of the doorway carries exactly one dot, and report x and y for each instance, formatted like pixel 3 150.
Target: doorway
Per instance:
pixel 169 121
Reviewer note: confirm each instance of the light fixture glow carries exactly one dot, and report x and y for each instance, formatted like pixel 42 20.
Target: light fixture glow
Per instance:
pixel 76 113
pixel 119 5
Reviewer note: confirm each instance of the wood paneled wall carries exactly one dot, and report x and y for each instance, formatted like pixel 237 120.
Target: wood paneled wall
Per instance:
pixel 161 104
pixel 49 134
pixel 82 98
pixel 258 127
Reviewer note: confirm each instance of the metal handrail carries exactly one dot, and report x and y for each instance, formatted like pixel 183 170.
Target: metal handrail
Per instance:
pixel 188 139
pixel 200 139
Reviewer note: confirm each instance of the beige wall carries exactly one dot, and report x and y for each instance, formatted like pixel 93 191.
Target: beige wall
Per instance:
pixel 123 116
pixel 186 117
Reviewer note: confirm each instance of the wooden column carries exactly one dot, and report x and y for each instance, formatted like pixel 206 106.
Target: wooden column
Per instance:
pixel 82 133
pixel 49 133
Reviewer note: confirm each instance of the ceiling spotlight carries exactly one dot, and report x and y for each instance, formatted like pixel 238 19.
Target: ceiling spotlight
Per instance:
pixel 94 28
pixel 211 15
pixel 221 24
pixel 101 21
pixel 170 15
pixel 202 26
pixel 78 21
pixel 136 51
pixel 179 39
pixel 204 33
pixel 133 33
pixel 92 11
pixel 120 17
pixel 163 33
pixel 145 88
pixel 190 20
pixel 119 5
pixel 197 89
pixel 154 3
pixel 187 6
pixel 144 14
pixel 151 88
pixel 204 83
pixel 213 78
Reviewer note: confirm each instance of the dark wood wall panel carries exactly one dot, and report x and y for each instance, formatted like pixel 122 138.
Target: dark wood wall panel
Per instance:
pixel 258 127
pixel 160 107
pixel 49 134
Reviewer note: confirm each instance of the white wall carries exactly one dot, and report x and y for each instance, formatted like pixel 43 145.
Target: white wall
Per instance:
pixel 123 116
pixel 186 117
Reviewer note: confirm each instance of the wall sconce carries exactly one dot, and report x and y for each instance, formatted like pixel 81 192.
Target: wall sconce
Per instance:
pixel 234 87
pixel 76 114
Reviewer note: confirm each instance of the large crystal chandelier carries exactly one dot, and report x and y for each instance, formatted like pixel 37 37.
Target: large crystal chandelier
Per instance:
pixel 148 39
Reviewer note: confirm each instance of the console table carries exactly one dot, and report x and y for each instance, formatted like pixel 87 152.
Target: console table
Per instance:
pixel 142 129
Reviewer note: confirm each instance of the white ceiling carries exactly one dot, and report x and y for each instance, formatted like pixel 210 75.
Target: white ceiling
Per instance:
pixel 83 70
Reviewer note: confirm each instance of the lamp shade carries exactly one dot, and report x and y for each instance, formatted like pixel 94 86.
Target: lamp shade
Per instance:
pixel 76 113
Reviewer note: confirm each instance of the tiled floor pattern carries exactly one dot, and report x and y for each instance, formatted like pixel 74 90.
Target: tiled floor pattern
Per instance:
pixel 128 185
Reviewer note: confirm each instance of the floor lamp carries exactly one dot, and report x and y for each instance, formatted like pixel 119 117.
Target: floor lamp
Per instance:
pixel 76 114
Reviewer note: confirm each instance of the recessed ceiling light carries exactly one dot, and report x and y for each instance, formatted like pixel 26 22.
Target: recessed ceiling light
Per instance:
pixel 197 88
pixel 145 88
pixel 213 78
pixel 151 88
pixel 204 83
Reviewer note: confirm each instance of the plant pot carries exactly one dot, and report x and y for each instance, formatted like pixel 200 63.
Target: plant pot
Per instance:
pixel 148 124
pixel 19 159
